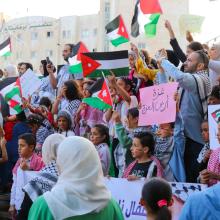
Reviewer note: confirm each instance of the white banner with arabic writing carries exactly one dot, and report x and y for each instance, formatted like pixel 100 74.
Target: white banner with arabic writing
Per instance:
pixel 128 195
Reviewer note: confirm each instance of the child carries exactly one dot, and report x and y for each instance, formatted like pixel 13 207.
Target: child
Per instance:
pixel 145 165
pixel 214 98
pixel 164 148
pixel 156 198
pixel 211 175
pixel 100 138
pixel 28 161
pixel 122 152
pixel 87 116
pixel 41 128
pixel 64 124
pixel 205 152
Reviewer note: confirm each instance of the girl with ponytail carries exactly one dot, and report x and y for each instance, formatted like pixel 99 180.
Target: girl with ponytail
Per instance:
pixel 157 198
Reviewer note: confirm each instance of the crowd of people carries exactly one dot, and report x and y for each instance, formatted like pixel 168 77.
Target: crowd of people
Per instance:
pixel 74 145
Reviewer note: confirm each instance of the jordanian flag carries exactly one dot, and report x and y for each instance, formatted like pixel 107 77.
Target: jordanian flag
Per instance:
pixel 145 19
pixel 101 97
pixel 94 64
pixel 116 31
pixel 75 61
pixel 216 115
pixel 5 48
pixel 12 95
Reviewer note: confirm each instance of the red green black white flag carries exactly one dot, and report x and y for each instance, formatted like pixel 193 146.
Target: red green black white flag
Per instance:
pixel 101 97
pixel 146 17
pixel 75 60
pixel 5 48
pixel 117 32
pixel 98 63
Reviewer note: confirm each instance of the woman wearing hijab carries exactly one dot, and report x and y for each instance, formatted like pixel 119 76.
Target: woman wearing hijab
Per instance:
pixel 79 192
pixel 47 177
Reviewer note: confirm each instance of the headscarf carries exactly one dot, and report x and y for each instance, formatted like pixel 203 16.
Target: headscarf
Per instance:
pixel 67 116
pixel 50 146
pixel 80 188
pixel 217 47
pixel 11 70
pixel 47 177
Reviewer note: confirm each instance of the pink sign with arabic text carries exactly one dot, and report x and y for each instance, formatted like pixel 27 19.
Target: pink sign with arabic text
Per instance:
pixel 157 104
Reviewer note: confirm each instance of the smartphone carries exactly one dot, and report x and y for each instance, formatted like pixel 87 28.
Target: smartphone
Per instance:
pixel 48 61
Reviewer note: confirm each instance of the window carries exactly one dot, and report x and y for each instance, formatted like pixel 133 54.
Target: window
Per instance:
pixel 49 53
pixel 85 33
pixel 33 54
pixel 141 45
pixel 34 35
pixel 66 34
pixel 49 34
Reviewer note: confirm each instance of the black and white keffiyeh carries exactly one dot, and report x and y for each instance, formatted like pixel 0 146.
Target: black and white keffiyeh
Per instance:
pixel 44 181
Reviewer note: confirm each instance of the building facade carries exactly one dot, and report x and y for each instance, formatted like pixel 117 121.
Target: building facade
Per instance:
pixel 34 38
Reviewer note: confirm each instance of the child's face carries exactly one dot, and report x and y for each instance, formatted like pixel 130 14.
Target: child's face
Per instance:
pixel 24 150
pixel 85 91
pixel 95 137
pixel 132 121
pixel 137 149
pixel 205 131
pixel 62 123
pixel 213 101
pixel 218 134
pixel 112 91
pixel 131 61
pixel 165 130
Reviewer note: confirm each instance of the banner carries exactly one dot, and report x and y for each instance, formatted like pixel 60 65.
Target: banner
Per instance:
pixel 157 104
pixel 128 194
pixel 214 119
pixel 192 23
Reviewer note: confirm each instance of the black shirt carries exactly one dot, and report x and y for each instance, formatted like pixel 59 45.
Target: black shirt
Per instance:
pixel 141 169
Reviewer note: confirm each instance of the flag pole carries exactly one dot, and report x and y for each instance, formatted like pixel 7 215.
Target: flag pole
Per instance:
pixel 113 107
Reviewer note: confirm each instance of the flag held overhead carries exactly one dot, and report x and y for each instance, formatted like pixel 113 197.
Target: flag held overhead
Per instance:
pixel 96 63
pixel 117 32
pixel 75 60
pixel 145 19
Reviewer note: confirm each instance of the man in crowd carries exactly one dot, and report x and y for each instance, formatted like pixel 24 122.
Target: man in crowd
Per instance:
pixel 194 90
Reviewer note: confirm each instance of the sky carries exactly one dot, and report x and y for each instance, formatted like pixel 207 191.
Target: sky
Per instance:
pixel 51 8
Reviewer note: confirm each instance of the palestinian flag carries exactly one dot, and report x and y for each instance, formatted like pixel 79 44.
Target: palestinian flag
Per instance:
pixel 75 61
pixel 116 31
pixel 145 19
pixel 101 97
pixel 12 95
pixel 5 48
pixel 216 115
pixel 94 64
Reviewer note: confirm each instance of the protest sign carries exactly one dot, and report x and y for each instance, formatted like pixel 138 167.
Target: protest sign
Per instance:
pixel 30 83
pixel 128 194
pixel 192 23
pixel 157 104
pixel 213 118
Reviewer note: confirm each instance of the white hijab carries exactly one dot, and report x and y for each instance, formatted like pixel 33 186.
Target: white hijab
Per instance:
pixel 80 188
pixel 50 146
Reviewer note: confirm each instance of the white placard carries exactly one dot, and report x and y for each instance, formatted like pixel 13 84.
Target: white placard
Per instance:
pixel 30 83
